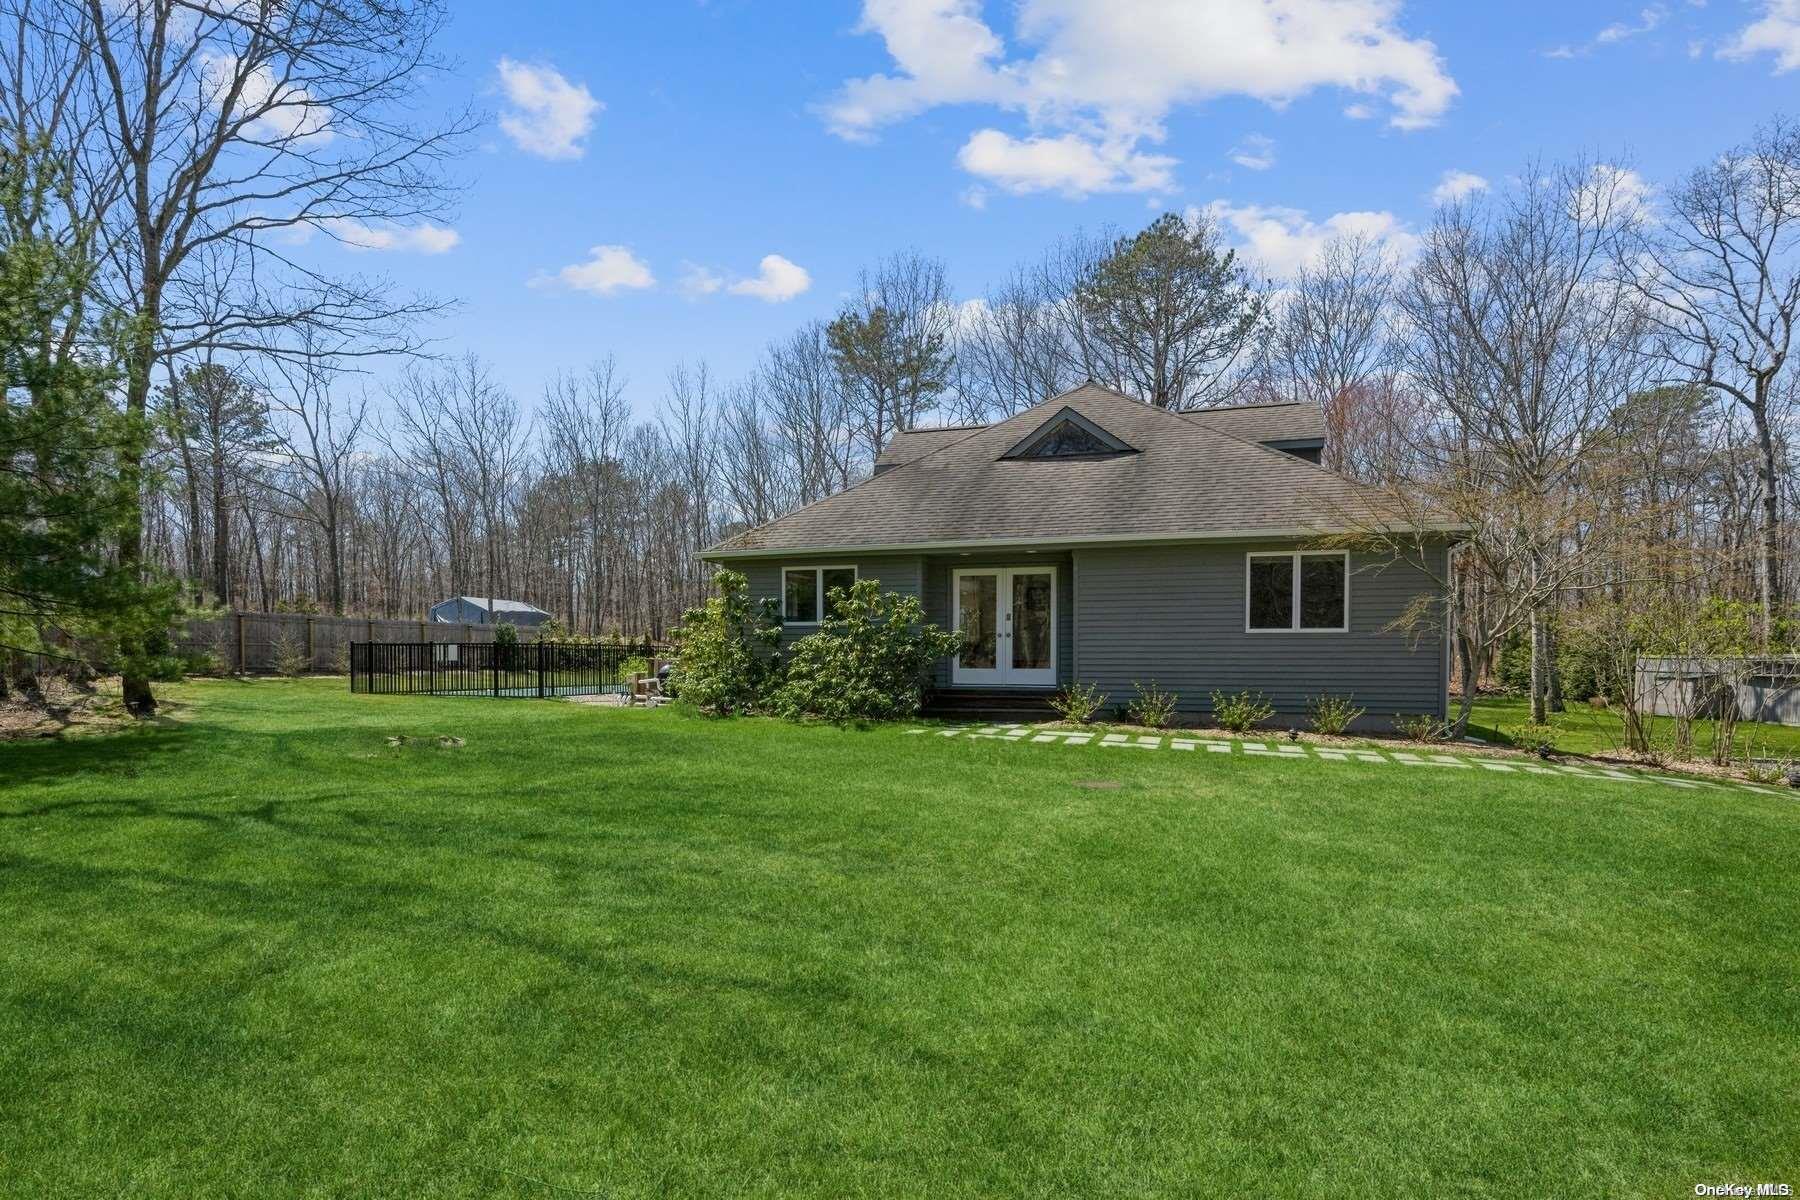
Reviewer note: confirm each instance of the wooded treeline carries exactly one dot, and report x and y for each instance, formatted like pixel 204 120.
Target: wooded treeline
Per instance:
pixel 1589 370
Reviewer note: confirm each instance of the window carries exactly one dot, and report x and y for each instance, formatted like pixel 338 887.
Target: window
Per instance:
pixel 1067 440
pixel 1068 434
pixel 1300 592
pixel 805 592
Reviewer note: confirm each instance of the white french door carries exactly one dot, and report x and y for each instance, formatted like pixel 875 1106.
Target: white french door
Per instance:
pixel 1007 619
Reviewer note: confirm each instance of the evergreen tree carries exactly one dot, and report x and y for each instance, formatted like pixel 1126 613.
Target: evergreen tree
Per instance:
pixel 63 499
pixel 1173 311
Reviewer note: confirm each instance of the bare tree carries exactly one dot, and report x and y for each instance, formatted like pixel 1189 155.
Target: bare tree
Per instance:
pixel 810 412
pixel 1721 272
pixel 323 436
pixel 1527 347
pixel 203 134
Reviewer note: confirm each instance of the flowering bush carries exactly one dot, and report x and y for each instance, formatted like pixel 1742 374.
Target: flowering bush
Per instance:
pixel 868 661
pixel 728 657
pixel 1242 712
pixel 1078 703
pixel 1332 714
pixel 1153 707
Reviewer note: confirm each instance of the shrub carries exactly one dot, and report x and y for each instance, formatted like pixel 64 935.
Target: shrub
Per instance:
pixel 1241 712
pixel 1528 735
pixel 1421 727
pixel 1153 706
pixel 1332 714
pixel 290 655
pixel 202 662
pixel 1512 669
pixel 728 657
pixel 635 664
pixel 868 660
pixel 1078 702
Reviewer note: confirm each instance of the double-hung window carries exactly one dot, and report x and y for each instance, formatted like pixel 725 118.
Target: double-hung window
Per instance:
pixel 805 592
pixel 1298 592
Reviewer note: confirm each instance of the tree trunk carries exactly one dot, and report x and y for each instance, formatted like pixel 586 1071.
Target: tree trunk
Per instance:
pixel 221 531
pixel 1465 653
pixel 1768 573
pixel 1552 676
pixel 139 700
pixel 1539 716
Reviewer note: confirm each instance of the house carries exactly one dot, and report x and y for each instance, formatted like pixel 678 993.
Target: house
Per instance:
pixel 486 610
pixel 1094 539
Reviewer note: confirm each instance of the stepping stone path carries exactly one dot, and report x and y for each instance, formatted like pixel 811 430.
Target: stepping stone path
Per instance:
pixel 1306 752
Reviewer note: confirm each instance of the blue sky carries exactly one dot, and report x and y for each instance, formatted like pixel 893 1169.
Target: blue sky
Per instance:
pixel 696 139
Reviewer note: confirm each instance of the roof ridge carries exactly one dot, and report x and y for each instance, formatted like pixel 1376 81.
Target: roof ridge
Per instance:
pixel 1212 408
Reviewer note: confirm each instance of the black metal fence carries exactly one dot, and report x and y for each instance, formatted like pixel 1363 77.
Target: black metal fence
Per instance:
pixel 529 669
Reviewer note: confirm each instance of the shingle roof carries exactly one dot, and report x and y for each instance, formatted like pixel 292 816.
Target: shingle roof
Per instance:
pixel 1297 422
pixel 494 605
pixel 1190 480
pixel 909 444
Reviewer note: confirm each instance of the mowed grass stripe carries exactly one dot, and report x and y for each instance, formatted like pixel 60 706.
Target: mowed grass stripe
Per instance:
pixel 257 951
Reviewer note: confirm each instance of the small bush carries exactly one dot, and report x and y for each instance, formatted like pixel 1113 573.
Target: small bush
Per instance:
pixel 1512 667
pixel 1421 727
pixel 868 661
pixel 506 634
pixel 1528 735
pixel 635 664
pixel 340 659
pixel 1241 712
pixel 1332 714
pixel 728 658
pixel 1078 702
pixel 290 655
pixel 1153 707
pixel 202 662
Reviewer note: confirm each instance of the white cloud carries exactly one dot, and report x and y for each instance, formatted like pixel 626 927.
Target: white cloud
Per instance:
pixel 776 280
pixel 419 239
pixel 546 114
pixel 697 281
pixel 1255 152
pixel 1457 185
pixel 1070 164
pixel 608 269
pixel 1611 188
pixel 1648 19
pixel 282 114
pixel 1777 32
pixel 1110 73
pixel 1279 241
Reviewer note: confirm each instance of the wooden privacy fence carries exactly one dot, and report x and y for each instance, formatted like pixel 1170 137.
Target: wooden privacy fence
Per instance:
pixel 253 642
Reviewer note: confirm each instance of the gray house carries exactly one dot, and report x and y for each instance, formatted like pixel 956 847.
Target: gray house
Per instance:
pixel 1095 539
pixel 488 610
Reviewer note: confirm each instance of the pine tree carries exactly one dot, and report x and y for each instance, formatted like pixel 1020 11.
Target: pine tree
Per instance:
pixel 63 499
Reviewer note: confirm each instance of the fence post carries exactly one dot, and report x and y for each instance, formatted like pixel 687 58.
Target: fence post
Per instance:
pixel 310 664
pixel 540 669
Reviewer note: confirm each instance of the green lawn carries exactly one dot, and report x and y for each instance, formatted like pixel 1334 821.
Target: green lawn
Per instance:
pixel 1584 729
pixel 255 951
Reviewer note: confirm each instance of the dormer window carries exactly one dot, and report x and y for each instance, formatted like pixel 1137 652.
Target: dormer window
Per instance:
pixel 1068 434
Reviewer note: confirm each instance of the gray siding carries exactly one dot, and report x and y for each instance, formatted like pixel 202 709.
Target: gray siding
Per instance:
pixel 897 572
pixel 938 610
pixel 1176 615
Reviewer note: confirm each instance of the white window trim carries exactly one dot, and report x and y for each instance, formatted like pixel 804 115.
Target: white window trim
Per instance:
pixel 818 587
pixel 1296 556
